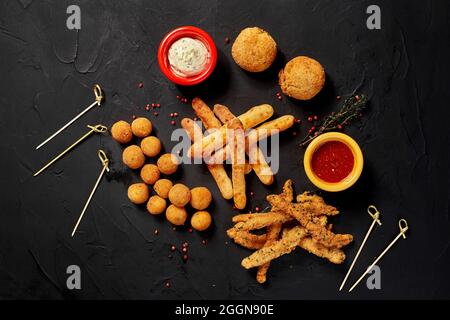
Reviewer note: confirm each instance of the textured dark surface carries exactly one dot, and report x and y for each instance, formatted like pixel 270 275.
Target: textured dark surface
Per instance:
pixel 46 76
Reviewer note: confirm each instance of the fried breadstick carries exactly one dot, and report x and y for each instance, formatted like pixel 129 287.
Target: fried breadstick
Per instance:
pixel 250 119
pixel 238 165
pixel 205 114
pixel 257 161
pixel 217 170
pixel 285 245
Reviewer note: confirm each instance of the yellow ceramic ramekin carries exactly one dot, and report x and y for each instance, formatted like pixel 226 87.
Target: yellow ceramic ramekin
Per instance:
pixel 357 166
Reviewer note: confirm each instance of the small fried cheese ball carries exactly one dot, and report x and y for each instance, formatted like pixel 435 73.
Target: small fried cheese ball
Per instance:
pixel 162 187
pixel 151 146
pixel 176 215
pixel 179 195
pixel 200 198
pixel 302 78
pixel 138 193
pixel 167 163
pixel 121 132
pixel 254 49
pixel 201 220
pixel 149 173
pixel 133 157
pixel 156 205
pixel 141 127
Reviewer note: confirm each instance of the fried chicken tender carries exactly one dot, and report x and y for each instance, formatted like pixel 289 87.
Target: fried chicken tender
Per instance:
pixel 333 255
pixel 315 200
pixel 273 232
pixel 304 214
pixel 285 245
pixel 246 239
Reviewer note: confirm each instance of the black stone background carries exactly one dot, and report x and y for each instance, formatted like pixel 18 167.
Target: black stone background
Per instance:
pixel 47 72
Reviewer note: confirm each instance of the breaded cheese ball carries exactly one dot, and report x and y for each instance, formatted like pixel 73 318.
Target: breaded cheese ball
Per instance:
pixel 141 127
pixel 179 195
pixel 149 173
pixel 133 157
pixel 176 215
pixel 156 205
pixel 167 163
pixel 138 193
pixel 151 146
pixel 121 132
pixel 254 49
pixel 162 187
pixel 200 198
pixel 302 78
pixel 201 220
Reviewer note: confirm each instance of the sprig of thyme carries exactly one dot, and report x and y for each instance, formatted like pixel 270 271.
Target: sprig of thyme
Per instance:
pixel 352 108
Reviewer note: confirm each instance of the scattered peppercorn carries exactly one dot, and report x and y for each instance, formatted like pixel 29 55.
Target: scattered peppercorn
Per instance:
pixel 204 242
pixel 140 85
pixel 184 250
pixel 252 193
pixel 338 98
pixel 257 209
pixel 294 133
pixel 155 113
pixel 190 230
pixel 172 122
pixel 316 118
pixel 339 127
pixel 134 117
pixel 310 119
pixel 227 40
pixel 167 284
pixel 173 248
pixel 185 257
pixel 298 121
pixel 156 231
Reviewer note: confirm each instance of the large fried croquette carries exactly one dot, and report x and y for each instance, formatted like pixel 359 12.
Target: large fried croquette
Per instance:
pixel 302 78
pixel 179 195
pixel 133 157
pixel 200 198
pixel 121 132
pixel 151 146
pixel 149 173
pixel 176 215
pixel 156 205
pixel 167 163
pixel 162 187
pixel 201 220
pixel 141 127
pixel 254 49
pixel 138 193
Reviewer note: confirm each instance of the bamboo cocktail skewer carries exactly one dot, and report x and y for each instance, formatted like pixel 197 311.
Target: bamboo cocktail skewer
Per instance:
pixel 105 161
pixel 98 99
pixel 97 129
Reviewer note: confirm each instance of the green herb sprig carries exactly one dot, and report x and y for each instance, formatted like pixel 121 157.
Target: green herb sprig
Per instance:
pixel 352 108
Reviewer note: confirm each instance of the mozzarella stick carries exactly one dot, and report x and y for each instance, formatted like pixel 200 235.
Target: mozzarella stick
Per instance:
pixel 238 165
pixel 256 156
pixel 249 119
pixel 205 114
pixel 270 128
pixel 217 170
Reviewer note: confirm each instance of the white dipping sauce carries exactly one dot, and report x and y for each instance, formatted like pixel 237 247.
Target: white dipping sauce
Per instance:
pixel 188 56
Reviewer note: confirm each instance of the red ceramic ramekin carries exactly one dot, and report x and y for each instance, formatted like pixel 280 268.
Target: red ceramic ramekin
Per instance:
pixel 191 32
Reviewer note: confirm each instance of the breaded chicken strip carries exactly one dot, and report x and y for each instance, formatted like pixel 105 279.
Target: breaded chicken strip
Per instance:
pixel 304 214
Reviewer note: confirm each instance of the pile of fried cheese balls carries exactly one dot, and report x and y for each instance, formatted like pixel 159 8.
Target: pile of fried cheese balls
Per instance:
pixel 179 195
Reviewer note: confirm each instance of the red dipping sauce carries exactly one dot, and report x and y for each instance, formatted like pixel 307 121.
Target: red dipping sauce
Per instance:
pixel 333 161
